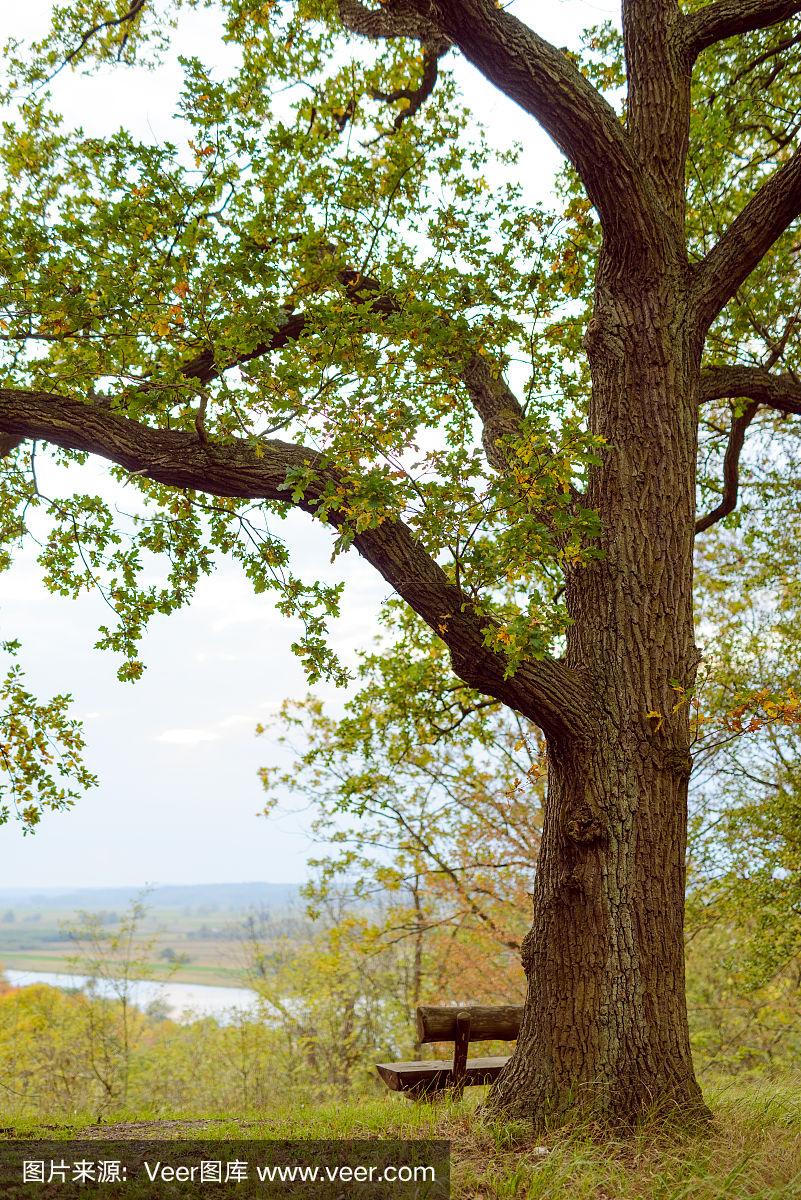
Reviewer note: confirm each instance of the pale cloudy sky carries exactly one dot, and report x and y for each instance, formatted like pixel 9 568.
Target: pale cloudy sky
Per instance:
pixel 176 753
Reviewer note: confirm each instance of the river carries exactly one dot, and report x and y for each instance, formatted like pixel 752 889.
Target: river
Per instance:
pixel 182 1001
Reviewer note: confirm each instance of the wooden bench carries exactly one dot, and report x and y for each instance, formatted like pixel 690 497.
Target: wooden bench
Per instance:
pixel 460 1026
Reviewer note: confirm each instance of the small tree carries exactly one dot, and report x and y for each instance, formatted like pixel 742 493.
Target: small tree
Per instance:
pixel 427 795
pixel 113 959
pixel 339 1000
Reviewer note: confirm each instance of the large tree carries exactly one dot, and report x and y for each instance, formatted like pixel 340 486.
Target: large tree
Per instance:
pixel 499 409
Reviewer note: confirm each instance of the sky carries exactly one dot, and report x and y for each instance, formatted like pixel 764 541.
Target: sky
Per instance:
pixel 176 753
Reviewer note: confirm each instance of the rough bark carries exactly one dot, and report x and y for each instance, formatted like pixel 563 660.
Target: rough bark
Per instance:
pixel 605 1025
pixel 605 1029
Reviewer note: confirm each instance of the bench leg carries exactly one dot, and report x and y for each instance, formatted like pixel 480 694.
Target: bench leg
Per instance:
pixel 460 1049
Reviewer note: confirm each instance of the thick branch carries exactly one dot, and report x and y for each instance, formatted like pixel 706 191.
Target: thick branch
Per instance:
pixel 782 392
pixel 394 19
pixel 546 692
pixel 726 18
pixel 495 403
pixel 543 81
pixel 766 216
pixel 731 470
pixel 497 406
pixel 659 78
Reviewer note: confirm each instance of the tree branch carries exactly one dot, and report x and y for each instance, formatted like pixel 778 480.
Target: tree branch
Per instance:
pixel 659 80
pixel 394 19
pixel 495 403
pixel 544 82
pixel 497 406
pixel 358 288
pixel 546 691
pixel 100 27
pixel 731 470
pixel 782 392
pixel 204 368
pixel 726 18
pixel 416 96
pixel 763 220
pixel 399 19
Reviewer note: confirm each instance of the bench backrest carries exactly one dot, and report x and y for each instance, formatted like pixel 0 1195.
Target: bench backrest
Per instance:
pixel 485 1024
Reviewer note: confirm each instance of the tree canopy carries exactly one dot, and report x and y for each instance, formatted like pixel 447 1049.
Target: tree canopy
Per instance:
pixel 324 257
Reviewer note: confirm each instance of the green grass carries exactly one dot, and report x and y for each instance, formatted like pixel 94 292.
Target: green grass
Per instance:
pixel 752 1150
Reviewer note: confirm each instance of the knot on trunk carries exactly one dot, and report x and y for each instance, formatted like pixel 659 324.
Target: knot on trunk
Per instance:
pixel 674 760
pixel 604 338
pixel 527 951
pixel 583 826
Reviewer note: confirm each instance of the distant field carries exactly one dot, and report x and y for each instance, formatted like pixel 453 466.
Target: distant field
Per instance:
pixel 200 933
pixel 194 972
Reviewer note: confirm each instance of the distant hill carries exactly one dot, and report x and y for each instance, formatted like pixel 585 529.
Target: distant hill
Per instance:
pixel 215 897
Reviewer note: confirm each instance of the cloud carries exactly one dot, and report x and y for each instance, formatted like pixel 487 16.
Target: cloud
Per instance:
pixel 236 720
pixel 187 737
pixel 228 727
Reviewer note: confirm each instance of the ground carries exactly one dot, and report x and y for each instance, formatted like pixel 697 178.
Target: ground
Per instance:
pixel 752 1150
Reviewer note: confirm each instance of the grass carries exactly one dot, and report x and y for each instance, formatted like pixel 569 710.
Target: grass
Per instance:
pixel 752 1150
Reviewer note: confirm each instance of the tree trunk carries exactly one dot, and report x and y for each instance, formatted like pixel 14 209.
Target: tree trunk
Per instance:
pixel 605 1026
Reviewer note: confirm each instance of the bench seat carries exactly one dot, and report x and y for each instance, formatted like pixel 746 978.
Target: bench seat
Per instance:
pixel 435 1075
